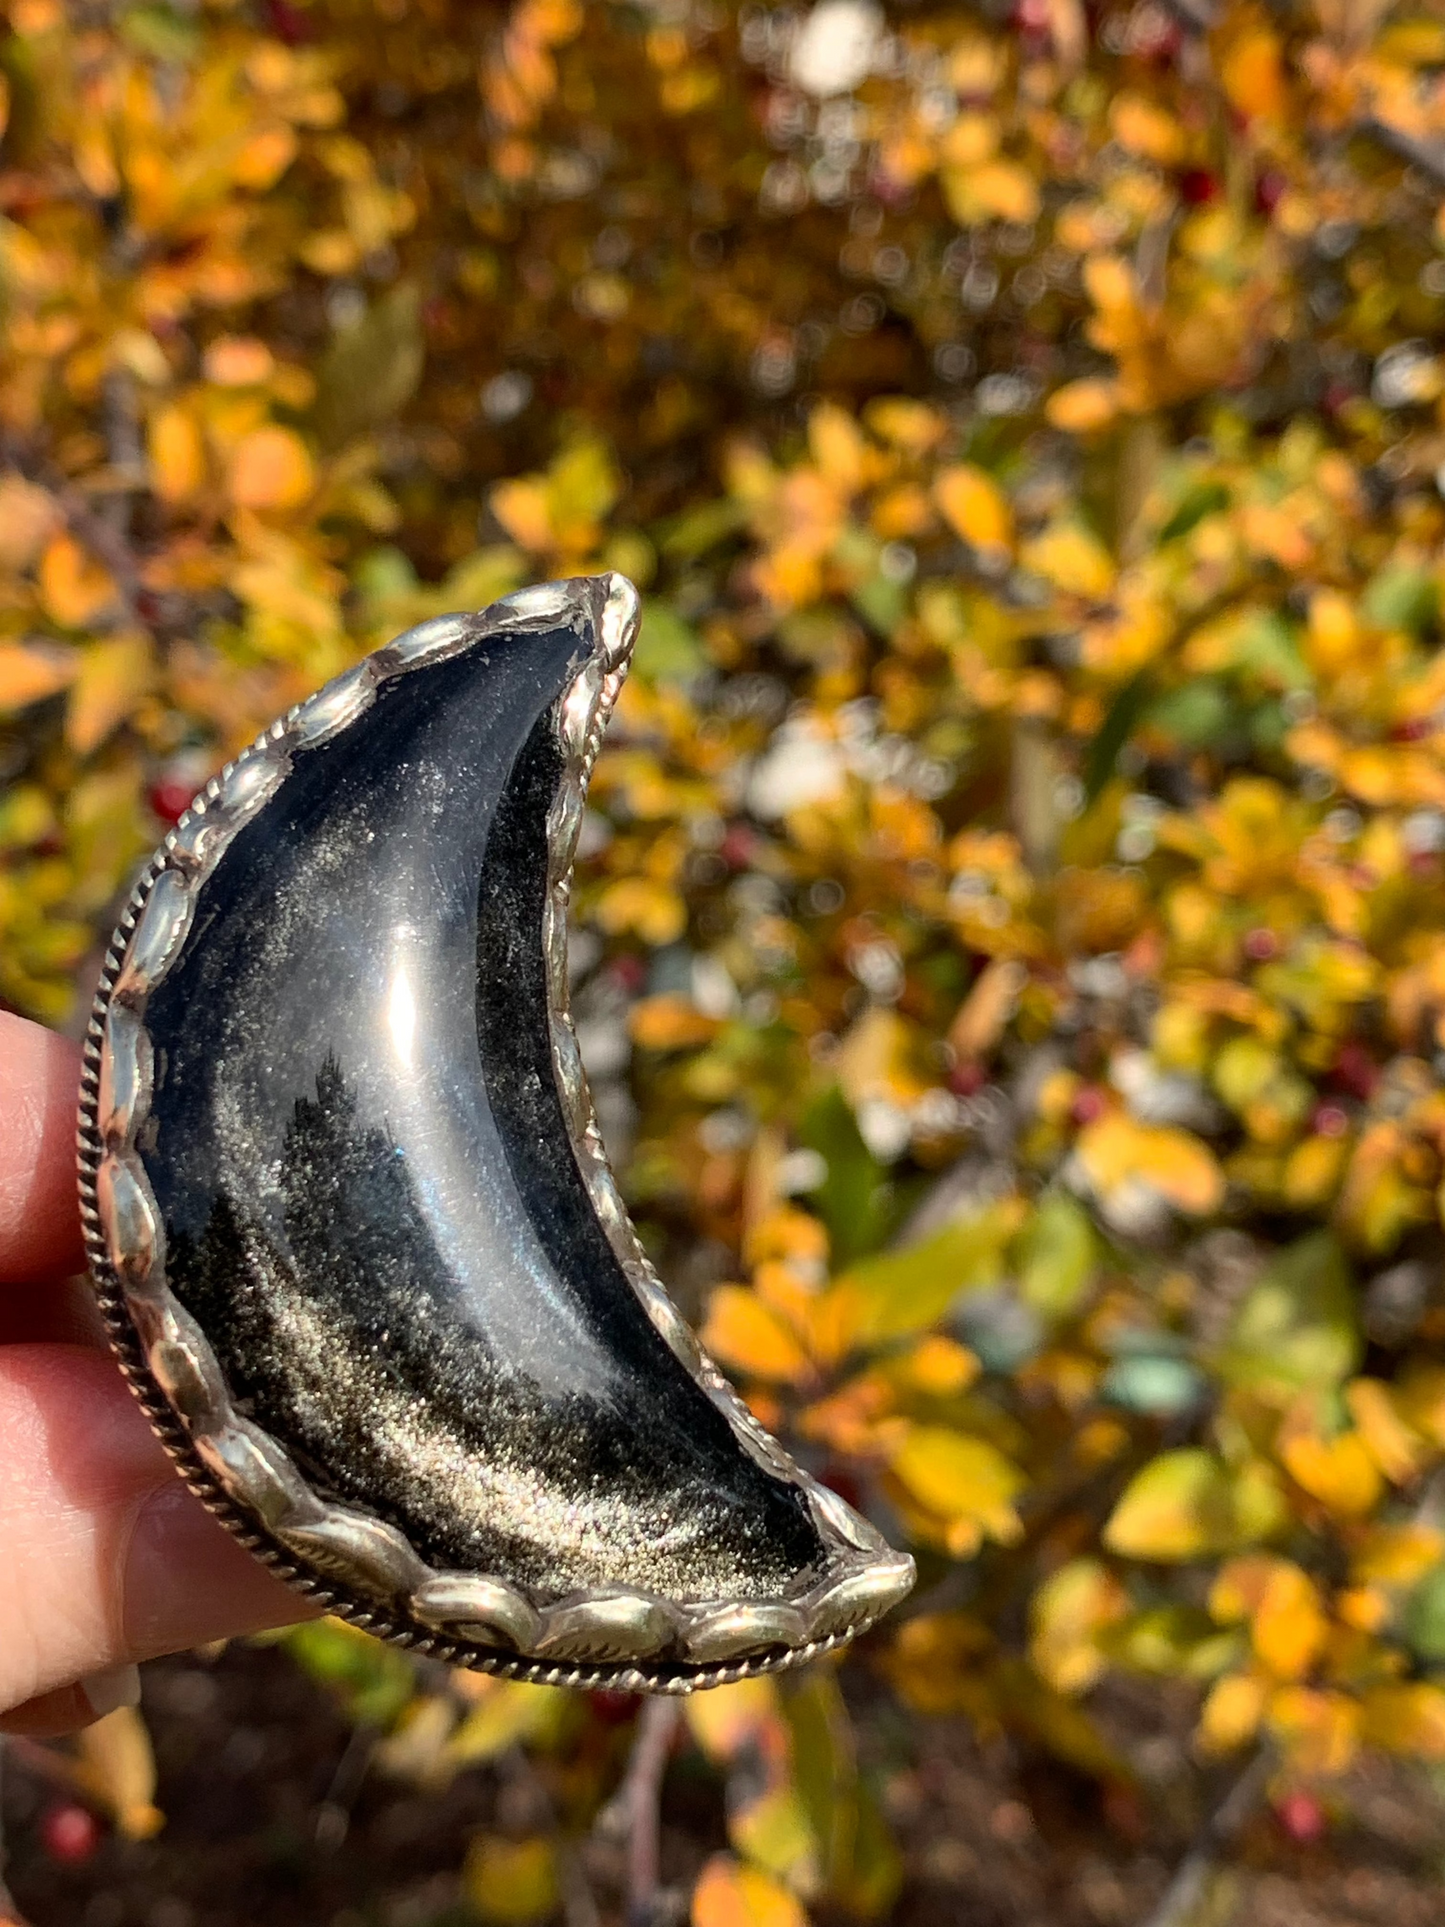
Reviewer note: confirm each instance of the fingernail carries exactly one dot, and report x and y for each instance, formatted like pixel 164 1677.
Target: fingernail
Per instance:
pixel 187 1580
pixel 120 1686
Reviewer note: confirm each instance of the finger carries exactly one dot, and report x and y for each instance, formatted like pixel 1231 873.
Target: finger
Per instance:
pixel 39 1213
pixel 106 1557
pixel 69 1708
pixel 62 1313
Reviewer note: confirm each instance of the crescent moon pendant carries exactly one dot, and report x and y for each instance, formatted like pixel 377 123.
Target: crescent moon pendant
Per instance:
pixel 350 1218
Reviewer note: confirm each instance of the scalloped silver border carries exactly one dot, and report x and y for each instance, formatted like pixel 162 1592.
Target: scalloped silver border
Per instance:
pixel 353 1564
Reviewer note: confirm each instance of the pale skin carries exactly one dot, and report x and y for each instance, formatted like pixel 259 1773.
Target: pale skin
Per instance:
pixel 105 1557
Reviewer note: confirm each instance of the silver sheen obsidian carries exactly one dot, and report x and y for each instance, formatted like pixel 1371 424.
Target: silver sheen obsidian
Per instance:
pixel 350 1218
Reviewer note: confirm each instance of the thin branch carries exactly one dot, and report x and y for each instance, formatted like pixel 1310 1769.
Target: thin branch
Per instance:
pixel 579 1903
pixel 1188 1893
pixel 640 1797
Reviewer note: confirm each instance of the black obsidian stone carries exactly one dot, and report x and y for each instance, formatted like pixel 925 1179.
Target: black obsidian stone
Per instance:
pixel 371 1201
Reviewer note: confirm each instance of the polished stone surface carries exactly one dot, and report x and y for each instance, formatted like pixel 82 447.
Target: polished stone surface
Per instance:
pixel 371 1203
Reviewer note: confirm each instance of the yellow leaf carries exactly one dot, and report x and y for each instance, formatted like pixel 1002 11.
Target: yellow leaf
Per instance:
pixel 1407 1719
pixel 961 1478
pixel 511 1881
pixel 1069 1610
pixel 1115 1150
pixel 504 1712
pixel 1000 188
pixel 27 516
pixel 732 1894
pixel 114 676
pixel 838 447
pixel 1321 1730
pixel 1396 1448
pixel 74 588
pixel 731 1717
pixel 29 674
pixel 272 469
pixel 117 1768
pixel 1072 559
pixel 1083 407
pixel 1142 128
pixel 1178 1507
pixel 975 508
pixel 177 454
pixel 654 912
pixel 265 157
pixel 1397 1555
pixel 1232 1712
pixel 1339 1472
pixel 745 1334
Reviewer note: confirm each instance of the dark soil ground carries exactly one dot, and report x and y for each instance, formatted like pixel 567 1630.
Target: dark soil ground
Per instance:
pixel 274 1820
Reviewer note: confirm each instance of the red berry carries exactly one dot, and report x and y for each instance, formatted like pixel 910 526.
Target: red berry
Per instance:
pixel 839 1479
pixel 69 1833
pixel 630 971
pixel 1197 185
pixel 613 1709
pixel 170 797
pixel 1260 945
pixel 1413 730
pixel 1330 1120
pixel 966 1078
pixel 739 846
pixel 1269 191
pixel 1301 1816
pixel 1089 1105
pixel 1355 1070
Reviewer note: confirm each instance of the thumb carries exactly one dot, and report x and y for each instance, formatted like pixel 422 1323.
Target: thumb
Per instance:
pixel 108 1558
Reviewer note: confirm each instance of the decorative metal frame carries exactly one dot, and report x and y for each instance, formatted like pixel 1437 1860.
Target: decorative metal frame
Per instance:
pixel 355 1565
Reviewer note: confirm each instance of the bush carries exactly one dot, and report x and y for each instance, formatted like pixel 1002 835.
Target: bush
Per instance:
pixel 1017 858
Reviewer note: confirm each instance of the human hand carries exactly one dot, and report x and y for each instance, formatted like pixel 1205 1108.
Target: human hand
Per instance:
pixel 105 1557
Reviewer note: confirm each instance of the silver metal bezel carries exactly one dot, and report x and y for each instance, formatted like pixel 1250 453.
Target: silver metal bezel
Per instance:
pixel 353 1564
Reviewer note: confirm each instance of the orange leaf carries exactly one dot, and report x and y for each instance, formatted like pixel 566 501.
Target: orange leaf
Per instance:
pixel 975 507
pixel 74 588
pixel 731 1894
pixel 745 1334
pixel 670 1022
pixel 27 516
pixel 238 361
pixel 114 675
pixel 272 469
pixel 1339 1472
pixel 1082 407
pixel 178 457
pixel 28 675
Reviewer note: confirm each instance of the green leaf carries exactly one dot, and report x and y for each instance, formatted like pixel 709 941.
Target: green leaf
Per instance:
pixel 1197 716
pixel 856 1201
pixel 1403 597
pixel 1297 1329
pixel 1117 727
pixel 906 1291
pixel 1179 1507
pixel 374 1681
pixel 1057 1255
pixel 668 649
pixel 1424 1617
pixel 1205 498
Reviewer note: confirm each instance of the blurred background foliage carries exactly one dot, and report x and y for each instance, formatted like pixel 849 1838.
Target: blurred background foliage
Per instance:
pixel 1010 935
